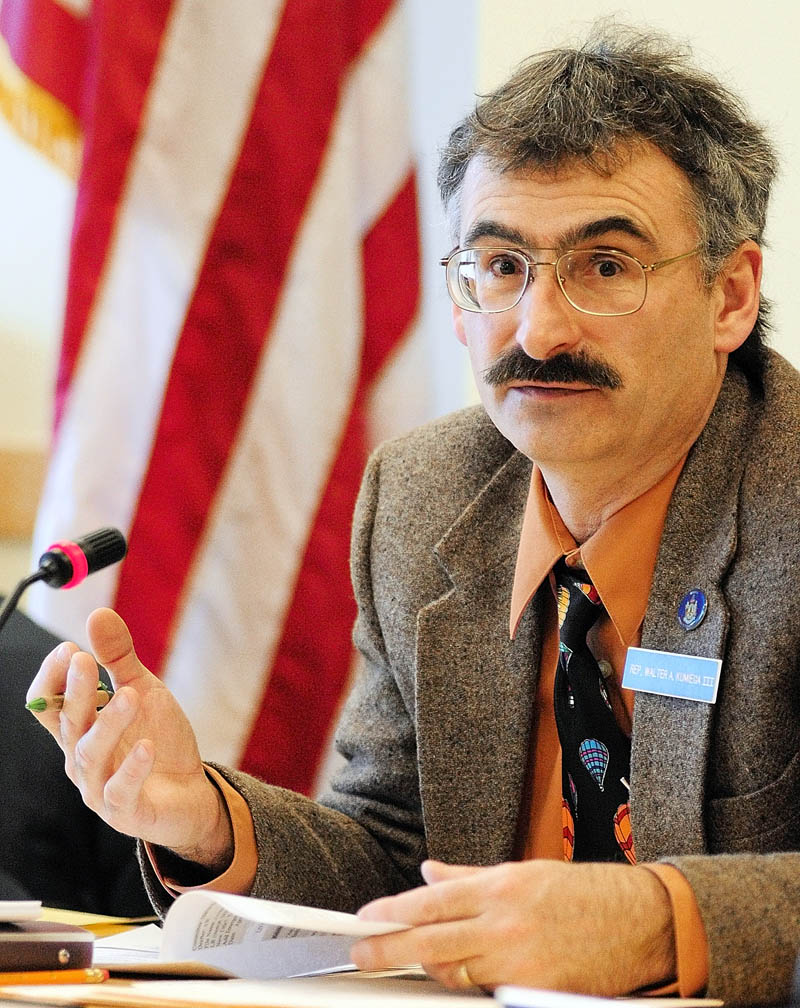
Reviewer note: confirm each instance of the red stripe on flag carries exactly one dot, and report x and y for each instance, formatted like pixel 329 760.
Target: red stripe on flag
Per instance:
pixel 312 663
pixel 391 278
pixel 233 304
pixel 121 56
pixel 48 44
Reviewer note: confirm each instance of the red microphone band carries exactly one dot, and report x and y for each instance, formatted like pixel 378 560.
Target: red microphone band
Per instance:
pixel 76 556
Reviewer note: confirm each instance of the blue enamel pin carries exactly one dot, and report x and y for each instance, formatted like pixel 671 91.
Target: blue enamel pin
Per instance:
pixel 692 609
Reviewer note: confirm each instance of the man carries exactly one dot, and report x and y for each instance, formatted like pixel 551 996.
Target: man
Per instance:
pixel 635 454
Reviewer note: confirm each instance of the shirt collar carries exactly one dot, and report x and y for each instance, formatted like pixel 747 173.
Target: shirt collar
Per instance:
pixel 620 557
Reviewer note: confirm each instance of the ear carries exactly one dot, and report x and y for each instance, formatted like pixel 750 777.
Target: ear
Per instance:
pixel 737 296
pixel 458 324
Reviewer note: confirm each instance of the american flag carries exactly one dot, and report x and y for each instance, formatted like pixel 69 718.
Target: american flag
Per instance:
pixel 244 275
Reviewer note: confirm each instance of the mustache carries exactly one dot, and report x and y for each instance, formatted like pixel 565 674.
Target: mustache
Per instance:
pixel 516 365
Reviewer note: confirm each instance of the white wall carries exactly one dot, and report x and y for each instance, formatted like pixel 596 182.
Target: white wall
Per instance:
pixel 35 213
pixel 444 70
pixel 751 47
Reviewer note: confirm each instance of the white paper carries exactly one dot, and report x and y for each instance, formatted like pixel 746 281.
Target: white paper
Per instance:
pixel 260 939
pixel 136 945
pixel 12 911
pixel 211 933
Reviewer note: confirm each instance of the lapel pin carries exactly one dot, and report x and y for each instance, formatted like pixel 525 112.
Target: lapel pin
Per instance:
pixel 692 609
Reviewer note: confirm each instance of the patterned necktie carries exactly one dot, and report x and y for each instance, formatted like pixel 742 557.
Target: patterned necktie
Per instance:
pixel 595 752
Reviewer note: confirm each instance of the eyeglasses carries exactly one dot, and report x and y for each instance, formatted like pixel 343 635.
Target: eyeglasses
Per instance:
pixel 595 281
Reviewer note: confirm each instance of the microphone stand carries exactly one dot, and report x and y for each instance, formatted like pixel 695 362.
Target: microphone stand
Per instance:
pixel 16 595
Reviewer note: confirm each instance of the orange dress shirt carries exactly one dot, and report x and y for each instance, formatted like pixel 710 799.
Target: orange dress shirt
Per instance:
pixel 620 559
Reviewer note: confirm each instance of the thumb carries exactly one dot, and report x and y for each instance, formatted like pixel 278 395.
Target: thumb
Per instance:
pixel 113 647
pixel 438 871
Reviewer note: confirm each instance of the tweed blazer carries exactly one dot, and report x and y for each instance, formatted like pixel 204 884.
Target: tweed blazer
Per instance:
pixel 436 733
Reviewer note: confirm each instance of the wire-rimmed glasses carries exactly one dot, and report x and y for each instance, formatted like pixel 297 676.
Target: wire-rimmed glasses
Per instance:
pixel 595 281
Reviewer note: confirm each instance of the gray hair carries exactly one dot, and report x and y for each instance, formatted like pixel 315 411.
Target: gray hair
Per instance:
pixel 623 87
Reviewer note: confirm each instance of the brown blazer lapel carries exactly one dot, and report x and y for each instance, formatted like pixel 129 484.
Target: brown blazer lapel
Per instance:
pixel 474 685
pixel 671 737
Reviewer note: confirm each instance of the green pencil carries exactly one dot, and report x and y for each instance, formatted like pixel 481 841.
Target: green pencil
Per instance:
pixel 54 703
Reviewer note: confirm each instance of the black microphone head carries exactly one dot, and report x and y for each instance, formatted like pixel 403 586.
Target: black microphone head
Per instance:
pixel 102 548
pixel 67 563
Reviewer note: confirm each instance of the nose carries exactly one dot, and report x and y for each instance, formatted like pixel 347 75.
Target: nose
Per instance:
pixel 546 323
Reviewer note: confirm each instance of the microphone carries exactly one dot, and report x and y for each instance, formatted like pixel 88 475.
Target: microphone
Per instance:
pixel 67 563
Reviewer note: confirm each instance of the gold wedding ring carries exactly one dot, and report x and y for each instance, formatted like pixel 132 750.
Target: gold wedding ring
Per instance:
pixel 465 981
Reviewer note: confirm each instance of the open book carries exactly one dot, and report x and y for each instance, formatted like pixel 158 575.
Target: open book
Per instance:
pixel 210 934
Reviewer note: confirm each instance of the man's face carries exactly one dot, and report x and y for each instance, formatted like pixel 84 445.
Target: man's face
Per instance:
pixel 657 371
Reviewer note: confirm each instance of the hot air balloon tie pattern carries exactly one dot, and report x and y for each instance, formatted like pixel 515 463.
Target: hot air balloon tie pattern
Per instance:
pixel 595 752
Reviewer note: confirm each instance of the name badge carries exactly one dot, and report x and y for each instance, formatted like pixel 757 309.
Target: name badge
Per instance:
pixel 668 674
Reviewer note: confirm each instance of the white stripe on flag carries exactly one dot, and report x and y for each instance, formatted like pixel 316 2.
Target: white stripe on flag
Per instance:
pixel 391 409
pixel 234 605
pixel 198 108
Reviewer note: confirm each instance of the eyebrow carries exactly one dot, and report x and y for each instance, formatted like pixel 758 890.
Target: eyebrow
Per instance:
pixel 581 232
pixel 493 229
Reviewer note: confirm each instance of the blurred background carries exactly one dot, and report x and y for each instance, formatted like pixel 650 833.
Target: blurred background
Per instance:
pixel 145 358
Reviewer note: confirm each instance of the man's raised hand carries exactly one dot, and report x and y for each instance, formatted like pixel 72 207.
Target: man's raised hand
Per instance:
pixel 136 762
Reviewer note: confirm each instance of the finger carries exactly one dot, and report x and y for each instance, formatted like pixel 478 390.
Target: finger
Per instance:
pixel 432 944
pixel 52 674
pixel 443 901
pixel 51 679
pixel 122 792
pixel 438 871
pixel 79 712
pixel 463 975
pixel 113 647
pixel 98 752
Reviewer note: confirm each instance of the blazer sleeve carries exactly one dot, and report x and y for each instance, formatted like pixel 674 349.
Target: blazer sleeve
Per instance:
pixel 364 838
pixel 750 907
